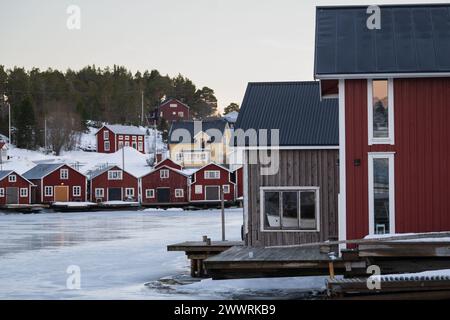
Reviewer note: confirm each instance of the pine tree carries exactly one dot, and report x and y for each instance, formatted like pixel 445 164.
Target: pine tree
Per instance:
pixel 25 124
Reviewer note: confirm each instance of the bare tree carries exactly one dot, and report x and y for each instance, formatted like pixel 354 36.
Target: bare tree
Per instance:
pixel 63 127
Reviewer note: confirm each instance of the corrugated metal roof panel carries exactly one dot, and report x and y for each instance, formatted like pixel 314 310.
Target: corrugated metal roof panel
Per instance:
pixel 41 170
pixel 295 108
pixel 412 39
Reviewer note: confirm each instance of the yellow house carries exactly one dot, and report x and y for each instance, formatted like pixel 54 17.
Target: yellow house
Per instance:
pixel 197 143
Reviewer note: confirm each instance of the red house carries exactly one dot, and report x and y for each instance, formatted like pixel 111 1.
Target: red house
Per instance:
pixel 165 185
pixel 171 110
pixel 207 182
pixel 14 189
pixel 111 138
pixel 113 184
pixel 169 163
pixel 393 85
pixel 57 182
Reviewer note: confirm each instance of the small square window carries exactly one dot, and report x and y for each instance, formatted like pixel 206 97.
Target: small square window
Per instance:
pixel 76 191
pixel 106 145
pixel 149 193
pixel 129 192
pixel 99 192
pixel 198 189
pixel 164 174
pixel 64 174
pixel 2 192
pixel 226 188
pixel 24 192
pixel 179 193
pixel 48 191
pixel 12 178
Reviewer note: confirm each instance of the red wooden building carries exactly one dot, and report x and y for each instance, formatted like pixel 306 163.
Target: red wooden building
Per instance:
pixel 169 163
pixel 238 179
pixel 113 184
pixel 165 185
pixel 111 138
pixel 14 189
pixel 56 182
pixel 207 182
pixel 393 86
pixel 170 110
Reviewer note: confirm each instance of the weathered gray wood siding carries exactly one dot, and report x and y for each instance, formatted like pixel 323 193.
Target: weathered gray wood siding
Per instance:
pixel 317 168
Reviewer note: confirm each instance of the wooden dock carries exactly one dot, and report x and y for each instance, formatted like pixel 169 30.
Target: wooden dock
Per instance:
pixel 198 251
pixel 23 208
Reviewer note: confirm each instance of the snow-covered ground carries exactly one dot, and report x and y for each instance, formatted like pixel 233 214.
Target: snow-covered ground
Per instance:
pixel 121 255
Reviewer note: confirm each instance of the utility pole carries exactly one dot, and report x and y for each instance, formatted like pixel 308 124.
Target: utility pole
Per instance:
pixel 222 206
pixel 142 107
pixel 45 135
pixel 123 158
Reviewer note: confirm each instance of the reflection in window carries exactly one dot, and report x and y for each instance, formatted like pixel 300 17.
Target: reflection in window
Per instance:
pixel 272 209
pixel 290 209
pixel 380 109
pixel 381 195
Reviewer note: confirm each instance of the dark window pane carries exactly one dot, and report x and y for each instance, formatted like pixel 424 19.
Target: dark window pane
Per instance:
pixel 290 210
pixel 381 195
pixel 308 210
pixel 272 209
pixel 380 109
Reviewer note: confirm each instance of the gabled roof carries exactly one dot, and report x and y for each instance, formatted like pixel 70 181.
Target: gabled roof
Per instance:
pixel 41 170
pixel 412 39
pixel 100 171
pixel 173 99
pixel 231 116
pixel 194 174
pixel 168 162
pixel 165 167
pixel 120 129
pixel 192 130
pixel 5 173
pixel 295 109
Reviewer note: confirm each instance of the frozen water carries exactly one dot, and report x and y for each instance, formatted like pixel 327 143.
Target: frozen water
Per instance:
pixel 122 255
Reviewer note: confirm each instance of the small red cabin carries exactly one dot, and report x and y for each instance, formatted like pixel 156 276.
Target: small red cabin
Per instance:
pixel 165 185
pixel 111 138
pixel 169 163
pixel 14 189
pixel 57 182
pixel 171 110
pixel 113 184
pixel 207 181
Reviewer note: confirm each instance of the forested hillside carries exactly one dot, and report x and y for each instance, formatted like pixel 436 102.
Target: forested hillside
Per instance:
pixel 65 100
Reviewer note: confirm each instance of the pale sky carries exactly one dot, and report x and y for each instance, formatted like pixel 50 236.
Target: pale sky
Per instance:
pixel 222 44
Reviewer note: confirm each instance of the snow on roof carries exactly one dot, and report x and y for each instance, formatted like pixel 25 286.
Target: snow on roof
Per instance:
pixel 231 116
pixel 99 171
pixel 121 129
pixel 41 170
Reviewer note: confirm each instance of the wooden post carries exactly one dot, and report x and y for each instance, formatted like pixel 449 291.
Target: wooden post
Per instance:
pixel 193 267
pixel 199 268
pixel 222 206
pixel 331 269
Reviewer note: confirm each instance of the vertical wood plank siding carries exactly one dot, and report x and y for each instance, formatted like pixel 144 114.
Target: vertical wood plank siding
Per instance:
pixel 297 168
pixel 422 155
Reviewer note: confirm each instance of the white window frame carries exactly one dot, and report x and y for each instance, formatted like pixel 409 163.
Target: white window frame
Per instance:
pixel 106 135
pixel 382 155
pixel 290 188
pixel 140 146
pixel 64 174
pixel 179 193
pixel 198 189
pixel 127 192
pixel 106 146
pixel 23 192
pixel 127 143
pixel 391 139
pixel 99 192
pixel 150 193
pixel 2 192
pixel 120 145
pixel 115 175
pixel 120 137
pixel 76 191
pixel 226 188
pixel 46 193
pixel 163 175
pixel 140 138
pixel 12 178
pixel 181 114
pixel 209 172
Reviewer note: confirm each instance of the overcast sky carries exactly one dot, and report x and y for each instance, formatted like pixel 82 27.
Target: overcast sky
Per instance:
pixel 222 44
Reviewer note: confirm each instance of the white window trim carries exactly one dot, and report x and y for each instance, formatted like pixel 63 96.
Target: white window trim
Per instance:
pixel 382 155
pixel 129 195
pixel 76 194
pixel 23 192
pixel 50 194
pixel 226 188
pixel 150 193
pixel 12 178
pixel 118 172
pixel 290 188
pixel 62 176
pixel 198 187
pixel 106 143
pixel 2 192
pixel 206 176
pixel 391 139
pixel 99 192
pixel 106 135
pixel 164 176
pixel 180 195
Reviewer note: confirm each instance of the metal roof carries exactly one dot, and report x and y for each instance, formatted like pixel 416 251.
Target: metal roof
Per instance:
pixel 412 39
pixel 4 173
pixel 194 127
pixel 295 108
pixel 41 170
pixel 120 129
pixel 95 173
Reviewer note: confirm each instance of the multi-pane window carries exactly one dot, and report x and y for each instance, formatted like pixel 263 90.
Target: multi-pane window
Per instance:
pixel 115 175
pixel 226 188
pixel 24 192
pixel 149 193
pixel 198 189
pixel 48 191
pixel 64 174
pixel 179 193
pixel 106 145
pixel 12 178
pixel 140 145
pixel 212 174
pixel 106 135
pixel 129 192
pixel 99 192
pixel 2 192
pixel 164 174
pixel 181 114
pixel 76 191
pixel 290 209
pixel 380 111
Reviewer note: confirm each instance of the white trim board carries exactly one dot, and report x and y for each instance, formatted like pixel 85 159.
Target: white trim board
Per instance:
pixel 381 155
pixel 391 136
pixel 342 200
pixel 382 75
